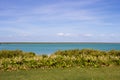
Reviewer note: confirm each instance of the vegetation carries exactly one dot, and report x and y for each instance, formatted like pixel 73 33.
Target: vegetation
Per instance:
pixel 19 60
pixel 73 73
pixel 15 53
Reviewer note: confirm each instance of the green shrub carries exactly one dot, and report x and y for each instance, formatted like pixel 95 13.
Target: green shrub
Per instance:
pixel 17 59
pixel 15 53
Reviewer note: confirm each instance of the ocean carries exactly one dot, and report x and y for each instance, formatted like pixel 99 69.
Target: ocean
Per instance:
pixel 49 48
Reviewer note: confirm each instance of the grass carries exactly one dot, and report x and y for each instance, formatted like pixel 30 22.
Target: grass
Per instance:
pixel 19 60
pixel 74 73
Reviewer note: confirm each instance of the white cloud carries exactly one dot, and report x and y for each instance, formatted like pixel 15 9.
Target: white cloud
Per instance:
pixel 64 34
pixel 74 35
pixel 60 34
pixel 88 35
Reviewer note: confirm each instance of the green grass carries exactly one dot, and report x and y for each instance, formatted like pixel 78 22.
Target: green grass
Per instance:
pixel 74 73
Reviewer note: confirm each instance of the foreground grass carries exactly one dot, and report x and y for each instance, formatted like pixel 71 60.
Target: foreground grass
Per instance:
pixel 74 73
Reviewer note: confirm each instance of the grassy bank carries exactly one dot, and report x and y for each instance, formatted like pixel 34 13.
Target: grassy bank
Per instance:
pixel 19 60
pixel 74 73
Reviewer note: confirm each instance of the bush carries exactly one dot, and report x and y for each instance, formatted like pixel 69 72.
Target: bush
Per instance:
pixel 14 53
pixel 17 59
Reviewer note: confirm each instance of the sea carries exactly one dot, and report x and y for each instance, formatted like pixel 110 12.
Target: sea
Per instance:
pixel 49 48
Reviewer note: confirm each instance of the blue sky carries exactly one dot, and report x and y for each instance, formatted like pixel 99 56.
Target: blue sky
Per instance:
pixel 59 20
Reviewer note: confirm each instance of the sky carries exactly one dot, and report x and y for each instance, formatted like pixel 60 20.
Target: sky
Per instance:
pixel 59 20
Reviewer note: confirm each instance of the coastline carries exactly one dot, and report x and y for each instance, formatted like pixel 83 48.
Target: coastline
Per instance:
pixel 59 42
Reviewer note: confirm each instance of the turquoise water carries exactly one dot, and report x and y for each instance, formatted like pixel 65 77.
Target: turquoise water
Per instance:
pixel 48 48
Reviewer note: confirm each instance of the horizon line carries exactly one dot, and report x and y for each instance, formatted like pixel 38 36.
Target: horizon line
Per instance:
pixel 52 42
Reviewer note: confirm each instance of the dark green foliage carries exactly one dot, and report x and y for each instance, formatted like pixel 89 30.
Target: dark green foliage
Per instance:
pixel 77 52
pixel 17 59
pixel 114 52
pixel 44 55
pixel 10 53
pixel 15 53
